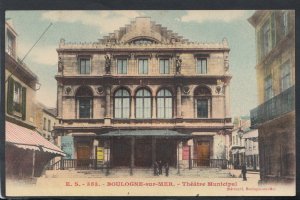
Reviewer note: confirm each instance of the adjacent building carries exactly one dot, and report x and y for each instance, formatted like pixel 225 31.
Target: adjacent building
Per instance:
pixel 142 94
pixel 275 115
pixel 45 120
pixel 26 151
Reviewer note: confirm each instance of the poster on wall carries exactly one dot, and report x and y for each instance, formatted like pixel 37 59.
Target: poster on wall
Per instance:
pixel 67 145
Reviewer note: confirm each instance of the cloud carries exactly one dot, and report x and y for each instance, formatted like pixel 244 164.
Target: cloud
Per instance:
pixel 213 15
pixel 106 21
pixel 40 54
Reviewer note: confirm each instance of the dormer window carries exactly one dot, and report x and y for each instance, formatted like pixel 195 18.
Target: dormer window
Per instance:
pixel 143 41
pixel 10 47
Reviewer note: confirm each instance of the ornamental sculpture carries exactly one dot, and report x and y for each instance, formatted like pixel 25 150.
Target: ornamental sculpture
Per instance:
pixel 60 65
pixel 178 65
pixel 107 64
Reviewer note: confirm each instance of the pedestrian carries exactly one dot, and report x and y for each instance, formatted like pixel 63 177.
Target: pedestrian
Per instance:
pixel 244 171
pixel 167 168
pixel 160 167
pixel 155 168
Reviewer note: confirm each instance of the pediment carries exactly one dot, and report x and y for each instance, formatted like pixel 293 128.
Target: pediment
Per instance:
pixel 142 31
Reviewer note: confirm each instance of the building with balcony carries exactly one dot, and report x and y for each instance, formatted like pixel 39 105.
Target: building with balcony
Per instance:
pixel 142 94
pixel 26 151
pixel 274 117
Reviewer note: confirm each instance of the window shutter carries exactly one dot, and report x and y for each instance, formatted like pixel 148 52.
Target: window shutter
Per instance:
pixel 10 95
pixel 273 29
pixel 23 103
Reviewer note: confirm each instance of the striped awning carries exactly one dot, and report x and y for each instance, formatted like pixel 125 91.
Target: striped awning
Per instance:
pixel 25 138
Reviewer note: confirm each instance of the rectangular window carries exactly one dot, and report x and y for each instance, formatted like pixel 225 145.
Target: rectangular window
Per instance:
pixel 84 108
pixel 10 44
pixel 201 66
pixel 285 24
pixel 233 140
pixel 44 125
pixel 143 66
pixel 164 66
pixel 84 65
pixel 268 88
pixel 122 66
pixel 17 97
pixel 49 125
pixel 285 76
pixel 266 38
pixel 202 108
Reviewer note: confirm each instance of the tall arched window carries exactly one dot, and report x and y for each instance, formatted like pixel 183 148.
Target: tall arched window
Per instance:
pixel 122 104
pixel 143 104
pixel 84 102
pixel 202 97
pixel 164 104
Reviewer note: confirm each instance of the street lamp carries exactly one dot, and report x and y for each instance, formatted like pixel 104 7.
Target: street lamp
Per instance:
pixel 240 133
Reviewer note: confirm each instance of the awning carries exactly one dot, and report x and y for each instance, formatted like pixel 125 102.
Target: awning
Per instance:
pixel 145 133
pixel 25 138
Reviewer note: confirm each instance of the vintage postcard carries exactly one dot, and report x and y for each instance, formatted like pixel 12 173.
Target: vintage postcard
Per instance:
pixel 150 103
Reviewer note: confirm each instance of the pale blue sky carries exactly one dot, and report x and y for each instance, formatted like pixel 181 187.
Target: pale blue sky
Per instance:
pixel 89 26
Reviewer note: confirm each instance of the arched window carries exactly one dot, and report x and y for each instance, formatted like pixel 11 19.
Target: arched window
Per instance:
pixel 122 104
pixel 164 104
pixel 84 102
pixel 143 104
pixel 202 97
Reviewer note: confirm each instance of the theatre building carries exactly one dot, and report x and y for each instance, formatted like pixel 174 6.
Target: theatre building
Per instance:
pixel 143 94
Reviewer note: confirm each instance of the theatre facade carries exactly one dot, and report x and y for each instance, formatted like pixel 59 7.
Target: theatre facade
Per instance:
pixel 143 94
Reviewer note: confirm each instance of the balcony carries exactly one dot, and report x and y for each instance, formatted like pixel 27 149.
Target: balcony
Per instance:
pixel 273 108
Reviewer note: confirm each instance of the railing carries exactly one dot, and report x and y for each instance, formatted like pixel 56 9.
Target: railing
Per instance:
pixel 275 107
pixel 77 164
pixel 218 163
pixel 213 163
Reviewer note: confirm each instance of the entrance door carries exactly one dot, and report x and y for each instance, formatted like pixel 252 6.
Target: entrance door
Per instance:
pixel 121 152
pixel 143 153
pixel 83 155
pixel 203 154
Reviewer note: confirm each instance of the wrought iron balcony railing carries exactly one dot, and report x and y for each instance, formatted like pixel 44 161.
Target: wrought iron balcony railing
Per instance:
pixel 275 107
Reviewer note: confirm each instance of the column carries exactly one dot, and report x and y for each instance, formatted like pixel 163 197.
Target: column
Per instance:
pixel 59 100
pixel 227 100
pixel 33 163
pixel 153 150
pixel 132 113
pixel 178 98
pixel 132 155
pixel 107 117
pixel 153 107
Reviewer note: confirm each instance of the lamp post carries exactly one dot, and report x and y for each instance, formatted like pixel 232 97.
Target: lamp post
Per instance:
pixel 240 133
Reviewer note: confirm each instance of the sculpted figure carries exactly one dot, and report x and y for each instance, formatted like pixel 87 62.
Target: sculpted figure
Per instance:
pixel 178 65
pixel 60 65
pixel 107 64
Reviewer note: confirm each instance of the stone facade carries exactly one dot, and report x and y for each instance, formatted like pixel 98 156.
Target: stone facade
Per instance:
pixel 275 115
pixel 146 42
